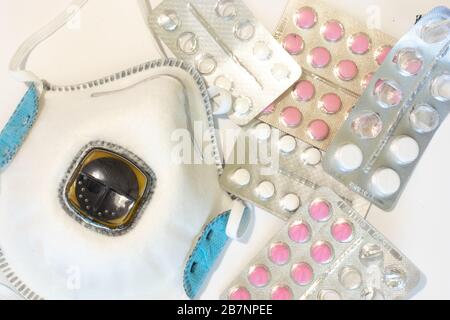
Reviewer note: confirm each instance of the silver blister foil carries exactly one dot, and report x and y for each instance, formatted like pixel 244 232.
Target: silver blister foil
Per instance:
pixel 378 147
pixel 278 172
pixel 230 48
pixel 339 257
pixel 338 54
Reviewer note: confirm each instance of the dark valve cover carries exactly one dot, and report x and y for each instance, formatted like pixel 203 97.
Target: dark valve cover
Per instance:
pixel 107 189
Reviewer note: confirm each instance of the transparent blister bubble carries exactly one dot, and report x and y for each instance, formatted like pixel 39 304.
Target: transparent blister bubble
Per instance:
pixel 305 262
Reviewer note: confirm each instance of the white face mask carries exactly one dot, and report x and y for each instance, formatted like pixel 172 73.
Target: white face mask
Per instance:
pixel 52 250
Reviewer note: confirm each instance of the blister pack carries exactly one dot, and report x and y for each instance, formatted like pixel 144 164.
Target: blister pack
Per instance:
pixel 381 142
pixel 230 48
pixel 339 56
pixel 278 172
pixel 327 251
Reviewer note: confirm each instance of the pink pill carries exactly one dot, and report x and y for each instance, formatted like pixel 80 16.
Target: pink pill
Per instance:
pixel 359 43
pixel 346 70
pixel 332 31
pixel 320 210
pixel 319 57
pixel 291 117
pixel 259 276
pixel 302 273
pixel 342 231
pixel 321 252
pixel 293 44
pixel 279 253
pixel 305 18
pixel 239 294
pixel 318 130
pixel 304 90
pixel 330 103
pixel 281 293
pixel 382 53
pixel 299 232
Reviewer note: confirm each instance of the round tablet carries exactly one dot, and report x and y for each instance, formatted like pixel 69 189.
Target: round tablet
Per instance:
pixel 262 51
pixel 404 149
pixel 259 276
pixel 348 157
pixel 350 278
pixel 287 144
pixel 359 43
pixel 265 190
pixel 330 103
pixel 302 273
pixel 318 130
pixel 346 70
pixel 263 131
pixel 305 18
pixel 290 202
pixel 320 210
pixel 293 43
pixel 299 232
pixel 242 105
pixel 385 182
pixel 424 119
pixel 241 177
pixel 304 90
pixel 291 117
pixel 322 252
pixel 280 71
pixel 281 293
pixel 332 31
pixel 319 57
pixel 239 293
pixel 311 156
pixel 342 231
pixel 279 253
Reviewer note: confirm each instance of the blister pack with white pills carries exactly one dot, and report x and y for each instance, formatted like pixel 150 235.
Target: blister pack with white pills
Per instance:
pixel 233 51
pixel 327 251
pixel 338 55
pixel 381 142
pixel 278 172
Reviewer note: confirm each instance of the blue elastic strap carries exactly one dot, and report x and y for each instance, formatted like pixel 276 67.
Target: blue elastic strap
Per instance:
pixel 207 250
pixel 18 126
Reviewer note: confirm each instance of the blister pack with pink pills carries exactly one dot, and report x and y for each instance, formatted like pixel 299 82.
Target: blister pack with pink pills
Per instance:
pixel 327 251
pixel 230 48
pixel 381 142
pixel 338 55
pixel 278 172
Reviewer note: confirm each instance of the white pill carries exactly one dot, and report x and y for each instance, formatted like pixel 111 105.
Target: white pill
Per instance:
pixel 241 177
pixel 311 156
pixel 262 51
pixel 287 144
pixel 404 149
pixel 290 202
pixel 280 71
pixel 263 131
pixel 265 190
pixel 242 105
pixel 349 157
pixel 385 182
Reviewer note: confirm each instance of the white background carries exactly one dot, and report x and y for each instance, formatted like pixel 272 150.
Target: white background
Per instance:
pixel 113 37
